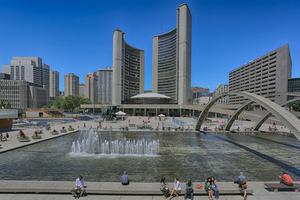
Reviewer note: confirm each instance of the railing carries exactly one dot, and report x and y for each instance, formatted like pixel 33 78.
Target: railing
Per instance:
pixel 8 114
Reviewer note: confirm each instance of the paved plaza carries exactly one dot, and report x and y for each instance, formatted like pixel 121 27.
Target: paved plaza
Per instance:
pixel 281 196
pixel 156 123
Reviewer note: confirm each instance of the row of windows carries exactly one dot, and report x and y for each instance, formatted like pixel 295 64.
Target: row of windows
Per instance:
pixel 271 57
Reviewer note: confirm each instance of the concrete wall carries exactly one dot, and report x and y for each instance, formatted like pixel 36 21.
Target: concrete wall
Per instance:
pixel 117 67
pixel 155 64
pixel 184 28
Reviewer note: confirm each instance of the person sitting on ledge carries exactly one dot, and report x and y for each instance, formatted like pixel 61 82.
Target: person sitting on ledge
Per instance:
pixel 214 187
pixel 189 190
pixel 22 134
pixel 176 189
pixel 208 188
pixel 163 187
pixel 79 187
pixel 124 179
pixel 241 181
pixel 286 179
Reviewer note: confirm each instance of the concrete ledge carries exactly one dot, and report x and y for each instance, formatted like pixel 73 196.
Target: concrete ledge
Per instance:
pixel 32 141
pixel 102 188
pixel 280 187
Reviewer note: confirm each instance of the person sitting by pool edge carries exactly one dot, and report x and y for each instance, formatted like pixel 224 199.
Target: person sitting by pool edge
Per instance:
pixel 163 187
pixel 176 188
pixel 124 179
pixel 208 188
pixel 241 181
pixel 286 179
pixel 80 187
pixel 189 190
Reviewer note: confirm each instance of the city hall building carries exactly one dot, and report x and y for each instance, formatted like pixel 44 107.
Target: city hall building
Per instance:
pixel 172 60
pixel 128 70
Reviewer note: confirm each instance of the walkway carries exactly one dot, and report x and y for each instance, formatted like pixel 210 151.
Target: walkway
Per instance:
pixel 13 142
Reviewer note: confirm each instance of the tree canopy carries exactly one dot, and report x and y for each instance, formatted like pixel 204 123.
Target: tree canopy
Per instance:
pixel 69 103
pixel 4 104
pixel 295 106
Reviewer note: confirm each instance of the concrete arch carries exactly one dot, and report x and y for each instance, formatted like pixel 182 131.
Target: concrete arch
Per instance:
pixel 236 114
pixel 204 113
pixel 268 114
pixel 290 120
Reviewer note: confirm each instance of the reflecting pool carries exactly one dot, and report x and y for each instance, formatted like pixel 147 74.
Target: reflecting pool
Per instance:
pixel 186 155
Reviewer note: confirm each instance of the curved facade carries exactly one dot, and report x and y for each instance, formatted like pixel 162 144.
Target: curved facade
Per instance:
pixel 165 68
pixel 172 60
pixel 128 70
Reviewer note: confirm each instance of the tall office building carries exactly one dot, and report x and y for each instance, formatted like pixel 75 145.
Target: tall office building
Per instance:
pixel 4 76
pixel 91 87
pixel 104 85
pixel 32 70
pixel 200 92
pixel 82 90
pixel 172 59
pixel 22 94
pixel 266 76
pixel 27 69
pixel 45 79
pixel 6 69
pixel 71 85
pixel 220 90
pixel 128 69
pixel 53 84
pixel 293 86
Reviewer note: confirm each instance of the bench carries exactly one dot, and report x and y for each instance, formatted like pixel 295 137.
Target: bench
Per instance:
pixel 281 187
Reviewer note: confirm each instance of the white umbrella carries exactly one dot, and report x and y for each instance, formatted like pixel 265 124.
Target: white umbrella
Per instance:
pixel 161 115
pixel 120 113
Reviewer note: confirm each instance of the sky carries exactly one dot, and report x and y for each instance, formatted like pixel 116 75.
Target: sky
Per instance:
pixel 76 35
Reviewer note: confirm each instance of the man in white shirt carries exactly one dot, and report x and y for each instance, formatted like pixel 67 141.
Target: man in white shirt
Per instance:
pixel 80 186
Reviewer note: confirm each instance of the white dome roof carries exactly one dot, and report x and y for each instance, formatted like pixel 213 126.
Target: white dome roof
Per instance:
pixel 150 95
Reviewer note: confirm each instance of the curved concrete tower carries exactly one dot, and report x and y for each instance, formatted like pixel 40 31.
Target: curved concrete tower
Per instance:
pixel 128 70
pixel 172 60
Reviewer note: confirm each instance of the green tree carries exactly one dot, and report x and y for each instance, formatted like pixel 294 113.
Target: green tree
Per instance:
pixel 69 103
pixel 4 104
pixel 295 106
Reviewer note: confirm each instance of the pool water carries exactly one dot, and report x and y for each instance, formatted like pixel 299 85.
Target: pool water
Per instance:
pixel 185 155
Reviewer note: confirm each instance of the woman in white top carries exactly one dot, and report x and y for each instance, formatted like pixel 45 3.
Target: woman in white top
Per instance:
pixel 176 188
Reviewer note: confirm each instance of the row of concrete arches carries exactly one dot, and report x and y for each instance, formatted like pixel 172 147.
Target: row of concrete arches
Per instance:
pixel 286 117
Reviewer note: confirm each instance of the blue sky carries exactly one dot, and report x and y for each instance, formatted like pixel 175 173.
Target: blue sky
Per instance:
pixel 76 35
